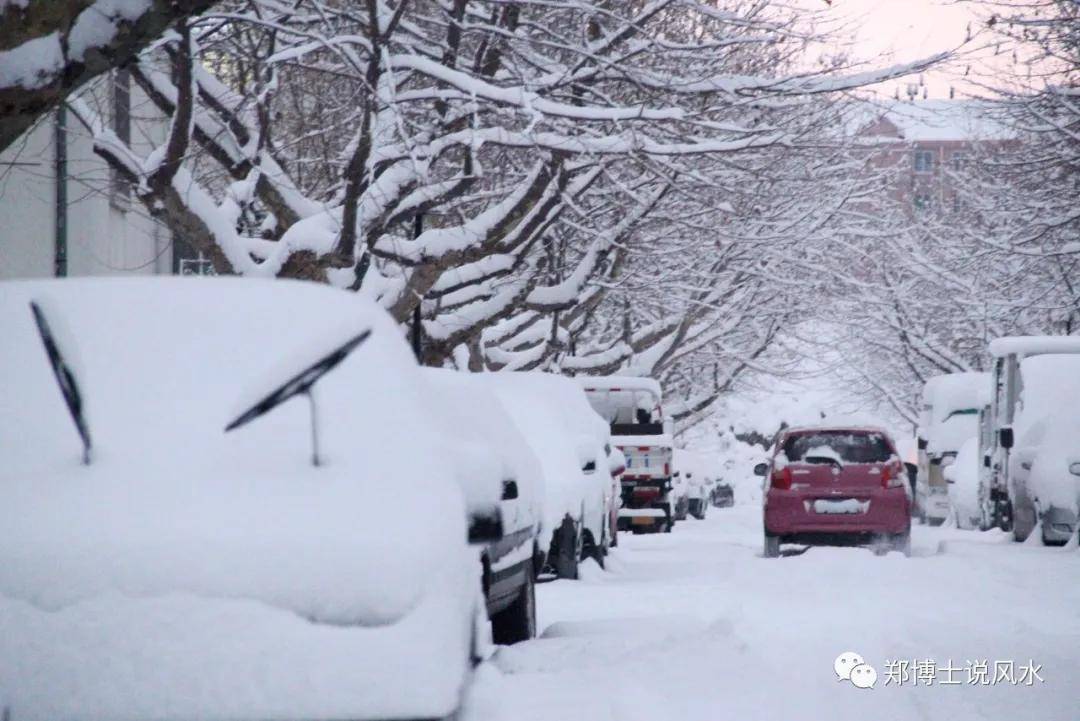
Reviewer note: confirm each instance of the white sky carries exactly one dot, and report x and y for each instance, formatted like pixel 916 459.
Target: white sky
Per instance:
pixel 901 31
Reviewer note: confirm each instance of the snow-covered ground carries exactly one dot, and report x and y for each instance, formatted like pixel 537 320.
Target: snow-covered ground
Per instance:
pixel 697 625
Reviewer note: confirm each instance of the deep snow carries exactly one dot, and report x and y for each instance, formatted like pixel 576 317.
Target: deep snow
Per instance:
pixel 697 625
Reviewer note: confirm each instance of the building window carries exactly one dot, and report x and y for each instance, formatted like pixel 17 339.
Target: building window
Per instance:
pixel 199 265
pixel 958 160
pixel 922 202
pixel 119 186
pixel 924 161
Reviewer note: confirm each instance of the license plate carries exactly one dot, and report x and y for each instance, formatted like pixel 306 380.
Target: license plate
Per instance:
pixel 841 506
pixel 641 521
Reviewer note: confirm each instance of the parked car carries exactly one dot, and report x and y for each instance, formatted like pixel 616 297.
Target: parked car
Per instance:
pixel 1035 453
pixel 503 487
pixel 152 563
pixel 723 496
pixel 632 407
pixel 837 486
pixel 616 467
pixel 963 478
pixel 949 416
pixel 680 491
pixel 698 471
pixel 573 446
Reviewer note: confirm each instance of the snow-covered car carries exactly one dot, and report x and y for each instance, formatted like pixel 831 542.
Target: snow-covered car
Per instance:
pixel 680 491
pixel 949 416
pixel 310 563
pixel 698 472
pixel 723 496
pixel 1036 407
pixel 964 492
pixel 616 467
pixel 572 444
pixel 632 407
pixel 503 487
pixel 834 485
pixel 1046 474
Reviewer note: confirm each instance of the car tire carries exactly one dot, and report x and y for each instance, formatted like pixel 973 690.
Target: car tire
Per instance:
pixel 566 553
pixel 517 622
pixel 772 545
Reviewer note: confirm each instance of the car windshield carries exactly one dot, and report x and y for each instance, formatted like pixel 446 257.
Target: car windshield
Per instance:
pixel 842 446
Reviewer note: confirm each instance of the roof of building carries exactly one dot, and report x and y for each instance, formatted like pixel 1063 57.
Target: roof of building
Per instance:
pixel 934 121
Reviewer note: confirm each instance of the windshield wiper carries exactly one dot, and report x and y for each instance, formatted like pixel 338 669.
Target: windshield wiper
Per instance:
pixel 65 378
pixel 301 383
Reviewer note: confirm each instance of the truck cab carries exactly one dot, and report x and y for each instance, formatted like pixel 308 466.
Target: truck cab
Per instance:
pixel 633 408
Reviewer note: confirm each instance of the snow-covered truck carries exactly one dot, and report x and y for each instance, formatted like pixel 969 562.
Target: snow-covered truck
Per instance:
pixel 949 416
pixel 1035 453
pixel 633 408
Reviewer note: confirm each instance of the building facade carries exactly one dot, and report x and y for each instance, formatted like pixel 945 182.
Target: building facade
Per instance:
pixel 64 212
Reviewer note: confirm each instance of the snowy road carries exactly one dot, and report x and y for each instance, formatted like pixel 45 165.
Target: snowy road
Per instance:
pixel 697 625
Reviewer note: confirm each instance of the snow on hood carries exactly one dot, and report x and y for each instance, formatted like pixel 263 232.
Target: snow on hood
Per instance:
pixel 171 503
pixel 556 419
pixel 480 434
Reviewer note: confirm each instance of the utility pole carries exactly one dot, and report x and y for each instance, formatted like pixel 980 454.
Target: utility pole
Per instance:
pixel 417 327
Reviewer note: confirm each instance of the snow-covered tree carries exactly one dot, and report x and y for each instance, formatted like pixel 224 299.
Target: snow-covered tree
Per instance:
pixel 591 186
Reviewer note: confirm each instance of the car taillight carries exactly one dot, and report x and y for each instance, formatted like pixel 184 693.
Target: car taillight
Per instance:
pixel 892 476
pixel 667 469
pixel 781 478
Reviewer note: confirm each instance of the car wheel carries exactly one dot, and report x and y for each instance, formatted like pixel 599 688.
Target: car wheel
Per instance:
pixel 1023 522
pixel 566 552
pixel 772 545
pixel 517 622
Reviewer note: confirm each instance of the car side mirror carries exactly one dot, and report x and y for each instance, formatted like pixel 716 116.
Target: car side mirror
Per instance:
pixel 510 490
pixel 922 444
pixel 761 469
pixel 589 467
pixel 1005 437
pixel 986 461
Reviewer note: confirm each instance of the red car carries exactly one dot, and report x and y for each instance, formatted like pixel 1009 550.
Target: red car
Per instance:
pixel 836 486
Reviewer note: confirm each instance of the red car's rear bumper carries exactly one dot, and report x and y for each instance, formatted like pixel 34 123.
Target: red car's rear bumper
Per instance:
pixel 887 510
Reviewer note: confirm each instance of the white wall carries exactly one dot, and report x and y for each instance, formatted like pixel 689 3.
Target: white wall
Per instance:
pixel 102 240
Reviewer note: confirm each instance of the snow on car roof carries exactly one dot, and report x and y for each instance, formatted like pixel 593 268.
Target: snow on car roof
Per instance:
pixel 617 383
pixel 553 415
pixel 481 435
pixel 173 504
pixel 1034 345
pixel 1051 387
pixel 946 394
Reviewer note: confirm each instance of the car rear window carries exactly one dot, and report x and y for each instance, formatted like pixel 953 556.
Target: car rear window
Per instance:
pixel 845 446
